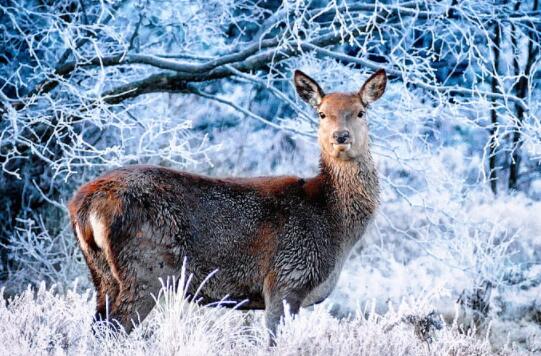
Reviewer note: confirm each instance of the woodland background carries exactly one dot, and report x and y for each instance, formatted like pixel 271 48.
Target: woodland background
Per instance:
pixel 452 262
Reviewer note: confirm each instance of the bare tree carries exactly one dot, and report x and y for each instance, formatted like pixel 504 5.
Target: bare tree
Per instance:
pixel 522 87
pixel 493 111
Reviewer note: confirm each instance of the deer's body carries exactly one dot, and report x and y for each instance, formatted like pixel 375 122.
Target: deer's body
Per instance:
pixel 271 238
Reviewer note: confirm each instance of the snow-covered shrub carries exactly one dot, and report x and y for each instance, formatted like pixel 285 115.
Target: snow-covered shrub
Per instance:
pixel 42 257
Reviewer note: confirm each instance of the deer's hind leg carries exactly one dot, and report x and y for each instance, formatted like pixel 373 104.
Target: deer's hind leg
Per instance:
pixel 107 285
pixel 141 264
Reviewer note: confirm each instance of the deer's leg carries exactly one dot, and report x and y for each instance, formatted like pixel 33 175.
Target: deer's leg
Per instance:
pixel 97 280
pixel 134 303
pixel 106 284
pixel 140 274
pixel 108 288
pixel 274 305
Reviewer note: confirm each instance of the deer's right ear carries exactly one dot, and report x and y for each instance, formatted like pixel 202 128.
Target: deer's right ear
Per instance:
pixel 308 89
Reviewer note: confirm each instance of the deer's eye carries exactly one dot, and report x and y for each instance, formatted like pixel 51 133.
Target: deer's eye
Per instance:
pixel 321 115
pixel 361 113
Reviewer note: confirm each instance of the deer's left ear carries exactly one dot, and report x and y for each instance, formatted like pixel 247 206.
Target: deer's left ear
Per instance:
pixel 308 89
pixel 373 88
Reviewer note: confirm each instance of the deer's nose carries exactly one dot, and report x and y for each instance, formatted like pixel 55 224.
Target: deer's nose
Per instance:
pixel 341 137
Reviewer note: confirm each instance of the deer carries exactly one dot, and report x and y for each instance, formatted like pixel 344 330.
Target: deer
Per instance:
pixel 269 240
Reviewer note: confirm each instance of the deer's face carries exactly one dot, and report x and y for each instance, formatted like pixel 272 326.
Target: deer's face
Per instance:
pixel 343 129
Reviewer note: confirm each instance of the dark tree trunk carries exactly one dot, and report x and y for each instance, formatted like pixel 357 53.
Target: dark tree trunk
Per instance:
pixel 493 113
pixel 521 90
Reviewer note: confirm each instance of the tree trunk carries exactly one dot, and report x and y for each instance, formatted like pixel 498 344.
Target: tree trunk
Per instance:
pixel 521 90
pixel 493 114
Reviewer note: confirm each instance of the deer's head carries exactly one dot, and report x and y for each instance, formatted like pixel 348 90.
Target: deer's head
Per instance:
pixel 343 129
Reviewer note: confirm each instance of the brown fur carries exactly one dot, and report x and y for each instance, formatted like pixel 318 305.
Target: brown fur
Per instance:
pixel 264 247
pixel 269 238
pixel 267 186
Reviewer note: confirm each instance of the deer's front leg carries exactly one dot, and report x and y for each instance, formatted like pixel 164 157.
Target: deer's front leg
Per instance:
pixel 274 305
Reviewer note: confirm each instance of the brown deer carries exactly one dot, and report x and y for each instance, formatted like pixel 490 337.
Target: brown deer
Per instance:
pixel 271 239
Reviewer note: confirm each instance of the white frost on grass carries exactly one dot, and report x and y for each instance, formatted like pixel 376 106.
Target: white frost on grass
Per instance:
pixel 45 322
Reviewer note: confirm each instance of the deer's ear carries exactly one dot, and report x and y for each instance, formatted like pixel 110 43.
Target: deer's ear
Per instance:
pixel 308 89
pixel 373 88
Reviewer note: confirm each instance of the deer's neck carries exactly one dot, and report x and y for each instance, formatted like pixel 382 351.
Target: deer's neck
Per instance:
pixel 352 190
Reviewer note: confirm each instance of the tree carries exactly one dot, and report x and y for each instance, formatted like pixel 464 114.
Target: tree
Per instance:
pixel 77 76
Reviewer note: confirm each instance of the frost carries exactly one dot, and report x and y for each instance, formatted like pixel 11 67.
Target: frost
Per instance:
pixel 43 321
pixel 205 86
